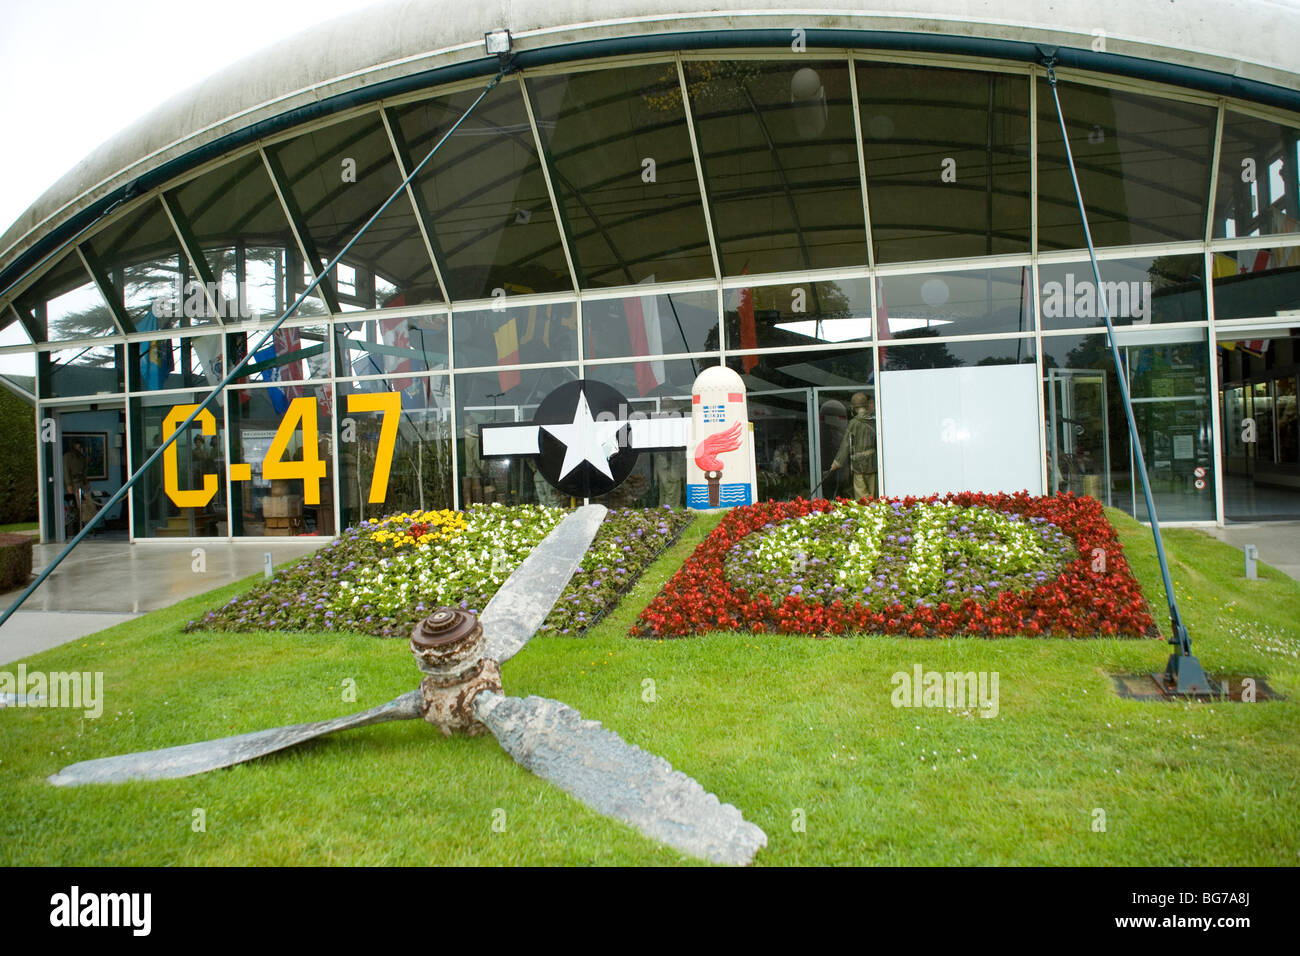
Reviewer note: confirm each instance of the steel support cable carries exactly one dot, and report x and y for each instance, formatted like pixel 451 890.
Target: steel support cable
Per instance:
pixel 234 372
pixel 1184 670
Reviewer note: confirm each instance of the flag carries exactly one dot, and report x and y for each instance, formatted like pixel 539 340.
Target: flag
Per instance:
pixel 156 361
pixel 288 342
pixel 748 331
pixel 395 334
pixel 278 400
pixel 882 320
pixel 507 342
pixel 208 349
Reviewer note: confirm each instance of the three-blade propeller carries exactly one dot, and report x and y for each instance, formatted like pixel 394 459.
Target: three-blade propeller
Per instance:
pixel 544 736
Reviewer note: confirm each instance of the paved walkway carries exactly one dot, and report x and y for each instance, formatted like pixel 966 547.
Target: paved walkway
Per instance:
pixel 1278 542
pixel 103 583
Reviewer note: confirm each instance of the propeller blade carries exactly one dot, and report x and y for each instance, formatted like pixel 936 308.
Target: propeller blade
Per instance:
pixel 520 607
pixel 189 759
pixel 617 779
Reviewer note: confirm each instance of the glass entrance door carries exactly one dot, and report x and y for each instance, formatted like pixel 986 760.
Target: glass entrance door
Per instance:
pixel 84 467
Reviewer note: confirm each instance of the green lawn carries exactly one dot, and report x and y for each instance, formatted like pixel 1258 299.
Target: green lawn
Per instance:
pixel 21 526
pixel 774 725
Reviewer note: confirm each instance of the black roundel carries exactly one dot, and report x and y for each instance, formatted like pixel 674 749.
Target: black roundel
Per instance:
pixel 586 451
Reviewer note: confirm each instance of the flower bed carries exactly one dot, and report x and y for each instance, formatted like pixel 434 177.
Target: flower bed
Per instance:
pixel 924 567
pixel 381 577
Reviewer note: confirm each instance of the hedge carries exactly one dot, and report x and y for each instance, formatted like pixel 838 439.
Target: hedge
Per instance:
pixel 17 459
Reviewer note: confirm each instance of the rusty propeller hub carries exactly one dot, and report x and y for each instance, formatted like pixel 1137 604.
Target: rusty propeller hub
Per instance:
pixel 448 649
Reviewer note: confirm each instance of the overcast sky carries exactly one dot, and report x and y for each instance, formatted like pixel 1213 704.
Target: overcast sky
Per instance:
pixel 74 72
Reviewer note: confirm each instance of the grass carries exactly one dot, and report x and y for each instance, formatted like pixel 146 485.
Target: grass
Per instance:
pixel 775 725
pixel 21 526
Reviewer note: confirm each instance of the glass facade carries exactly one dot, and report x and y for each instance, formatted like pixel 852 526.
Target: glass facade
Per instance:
pixel 813 221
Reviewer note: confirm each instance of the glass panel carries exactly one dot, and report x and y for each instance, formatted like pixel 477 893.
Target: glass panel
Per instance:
pixel 654 389
pixel 981 301
pixel 1261 433
pixel 20 368
pixel 1257 192
pixel 1170 386
pixel 91 467
pixel 516 335
pixel 777 142
pixel 1087 433
pixel 947 156
pixel 236 218
pixel 408 343
pixel 491 397
pixel 802 407
pixel 954 354
pixel 189 362
pixel 92 370
pixel 796 316
pixel 338 176
pixel 484 193
pixel 157 513
pixel 292 354
pixel 142 258
pixel 419 476
pixel 67 304
pixel 266 507
pixel 1257 283
pixel 628 221
pixel 1143 165
pixel 1138 292
pixel 650 324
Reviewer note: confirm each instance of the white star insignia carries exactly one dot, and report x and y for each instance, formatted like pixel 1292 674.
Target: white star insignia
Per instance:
pixel 586 439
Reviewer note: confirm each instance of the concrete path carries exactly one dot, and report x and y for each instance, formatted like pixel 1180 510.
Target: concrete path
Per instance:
pixel 105 582
pixel 1278 542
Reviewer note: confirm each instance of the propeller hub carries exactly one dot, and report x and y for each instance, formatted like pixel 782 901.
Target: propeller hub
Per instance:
pixel 448 648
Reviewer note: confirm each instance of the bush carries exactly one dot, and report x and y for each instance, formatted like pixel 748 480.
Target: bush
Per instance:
pixel 15 560
pixel 17 459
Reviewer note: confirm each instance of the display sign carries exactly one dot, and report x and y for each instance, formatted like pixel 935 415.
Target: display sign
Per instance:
pixel 583 439
pixel 310 469
pixel 720 471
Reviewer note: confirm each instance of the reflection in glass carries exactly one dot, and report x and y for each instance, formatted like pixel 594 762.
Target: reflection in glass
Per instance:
pixel 404 343
pixel 947 159
pixel 200 461
pixel 1256 283
pixel 293 354
pixel 801 407
pixel 278 507
pixel 1143 165
pixel 143 263
pixel 909 350
pixel 979 301
pixel 516 335
pixel 337 177
pixel 1139 291
pixel 1261 431
pixel 795 316
pixel 65 304
pixel 494 398
pixel 484 193
pixel 623 172
pixel 650 324
pixel 777 143
pixel 236 219
pixel 87 370
pixel 188 362
pixel 1257 192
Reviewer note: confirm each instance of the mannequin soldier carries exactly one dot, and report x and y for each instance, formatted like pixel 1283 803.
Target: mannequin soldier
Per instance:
pixel 858 449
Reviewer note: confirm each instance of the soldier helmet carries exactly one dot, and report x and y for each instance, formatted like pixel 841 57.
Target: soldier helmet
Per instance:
pixel 860 400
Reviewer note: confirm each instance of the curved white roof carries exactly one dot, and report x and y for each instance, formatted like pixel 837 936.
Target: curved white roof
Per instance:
pixel 1247 39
